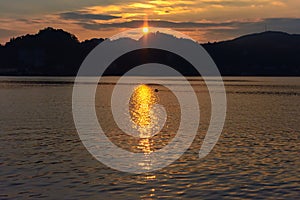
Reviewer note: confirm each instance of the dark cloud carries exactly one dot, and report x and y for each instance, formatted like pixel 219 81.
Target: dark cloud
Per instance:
pixel 33 7
pixel 289 25
pixel 211 31
pixel 85 16
pixel 284 24
pixel 153 23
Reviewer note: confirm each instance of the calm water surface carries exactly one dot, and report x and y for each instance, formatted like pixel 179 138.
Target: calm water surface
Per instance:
pixel 257 155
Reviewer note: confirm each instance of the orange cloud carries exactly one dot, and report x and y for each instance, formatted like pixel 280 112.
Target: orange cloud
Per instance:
pixel 278 3
pixel 122 13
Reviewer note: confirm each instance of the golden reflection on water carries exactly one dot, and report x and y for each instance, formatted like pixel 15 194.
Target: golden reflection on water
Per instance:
pixel 143 116
pixel 145 145
pixel 144 119
pixel 140 105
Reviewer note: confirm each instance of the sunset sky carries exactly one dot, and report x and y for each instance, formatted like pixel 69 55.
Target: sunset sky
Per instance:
pixel 203 20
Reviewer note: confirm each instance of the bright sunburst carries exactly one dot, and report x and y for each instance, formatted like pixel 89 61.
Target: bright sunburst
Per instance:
pixel 145 30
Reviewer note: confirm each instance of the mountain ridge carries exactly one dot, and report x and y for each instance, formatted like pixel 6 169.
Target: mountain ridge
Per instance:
pixel 55 52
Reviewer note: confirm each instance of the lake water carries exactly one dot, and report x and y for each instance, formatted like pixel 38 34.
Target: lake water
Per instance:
pixel 257 155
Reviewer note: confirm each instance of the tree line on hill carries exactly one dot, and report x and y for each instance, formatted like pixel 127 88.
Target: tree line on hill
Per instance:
pixel 54 52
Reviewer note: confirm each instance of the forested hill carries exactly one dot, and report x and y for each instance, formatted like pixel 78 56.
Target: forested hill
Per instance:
pixel 54 52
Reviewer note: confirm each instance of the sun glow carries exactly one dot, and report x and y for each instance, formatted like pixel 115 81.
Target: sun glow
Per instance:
pixel 145 30
pixel 143 115
pixel 140 105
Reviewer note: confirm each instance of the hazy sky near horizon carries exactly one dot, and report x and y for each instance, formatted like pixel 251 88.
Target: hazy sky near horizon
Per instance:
pixel 203 20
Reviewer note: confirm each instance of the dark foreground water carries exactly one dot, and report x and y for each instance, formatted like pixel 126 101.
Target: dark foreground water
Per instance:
pixel 257 155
